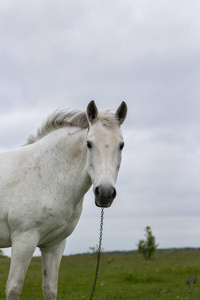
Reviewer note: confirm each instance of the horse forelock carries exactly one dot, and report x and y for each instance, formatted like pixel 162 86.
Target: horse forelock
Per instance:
pixel 108 120
pixel 60 119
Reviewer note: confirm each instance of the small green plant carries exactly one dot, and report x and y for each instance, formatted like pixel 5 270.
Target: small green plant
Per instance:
pixel 95 250
pixel 129 276
pixel 1 253
pixel 147 247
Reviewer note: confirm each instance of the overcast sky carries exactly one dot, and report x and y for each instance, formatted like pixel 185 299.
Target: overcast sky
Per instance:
pixel 62 54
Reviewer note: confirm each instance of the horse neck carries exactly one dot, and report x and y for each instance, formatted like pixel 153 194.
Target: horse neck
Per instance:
pixel 64 152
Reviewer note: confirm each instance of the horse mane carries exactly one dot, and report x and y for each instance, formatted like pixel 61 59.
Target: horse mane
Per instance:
pixel 60 119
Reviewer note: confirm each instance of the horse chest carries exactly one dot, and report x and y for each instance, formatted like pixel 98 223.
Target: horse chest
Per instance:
pixel 59 226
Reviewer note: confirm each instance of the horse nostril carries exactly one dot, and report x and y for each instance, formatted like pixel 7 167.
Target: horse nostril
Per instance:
pixel 114 193
pixel 96 191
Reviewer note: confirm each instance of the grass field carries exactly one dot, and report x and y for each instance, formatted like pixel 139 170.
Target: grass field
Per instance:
pixel 126 277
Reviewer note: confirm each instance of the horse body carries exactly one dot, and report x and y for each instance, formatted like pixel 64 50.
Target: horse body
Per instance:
pixel 40 172
pixel 42 187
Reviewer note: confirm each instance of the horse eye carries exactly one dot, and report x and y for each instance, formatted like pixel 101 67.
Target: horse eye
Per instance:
pixel 121 146
pixel 89 145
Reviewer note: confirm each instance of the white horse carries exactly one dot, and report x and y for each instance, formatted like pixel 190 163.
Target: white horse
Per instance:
pixel 42 186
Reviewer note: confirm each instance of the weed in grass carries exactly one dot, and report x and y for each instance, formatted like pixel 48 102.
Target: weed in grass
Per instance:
pixel 191 281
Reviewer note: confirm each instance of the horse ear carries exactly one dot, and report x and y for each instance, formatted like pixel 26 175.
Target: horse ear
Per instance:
pixel 92 112
pixel 121 112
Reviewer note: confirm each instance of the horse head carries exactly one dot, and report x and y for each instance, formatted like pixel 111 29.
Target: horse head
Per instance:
pixel 105 144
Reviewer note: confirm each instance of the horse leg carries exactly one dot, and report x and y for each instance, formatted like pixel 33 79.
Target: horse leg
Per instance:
pixel 23 247
pixel 51 258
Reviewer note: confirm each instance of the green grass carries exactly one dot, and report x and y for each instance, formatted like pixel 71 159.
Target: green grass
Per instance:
pixel 125 277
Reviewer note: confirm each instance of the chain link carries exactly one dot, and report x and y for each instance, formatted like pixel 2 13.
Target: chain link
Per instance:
pixel 98 254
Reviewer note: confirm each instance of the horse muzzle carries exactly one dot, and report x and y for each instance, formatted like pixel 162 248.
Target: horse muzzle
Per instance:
pixel 104 195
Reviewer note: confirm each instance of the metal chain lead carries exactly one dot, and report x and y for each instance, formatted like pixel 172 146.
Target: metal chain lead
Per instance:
pixel 99 254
